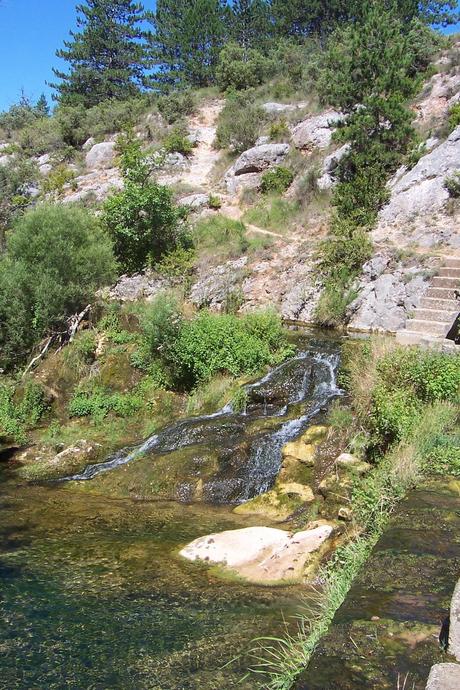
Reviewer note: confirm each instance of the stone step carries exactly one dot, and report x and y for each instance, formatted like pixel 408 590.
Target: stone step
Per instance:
pixel 449 272
pixel 441 293
pixel 440 315
pixel 451 262
pixel 439 303
pixel 428 327
pixel 445 282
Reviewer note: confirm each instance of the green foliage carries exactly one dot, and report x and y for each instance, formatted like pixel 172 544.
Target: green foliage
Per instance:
pixel 214 202
pixel 17 177
pixel 133 162
pixel 452 184
pixel 20 410
pixel 161 322
pixel 23 114
pixel 276 180
pixel 239 123
pixel 279 131
pixel 343 253
pixel 454 117
pixel 220 232
pixel 56 258
pixel 273 213
pixel 107 58
pixel 240 400
pixel 176 105
pixel 250 23
pixel 188 36
pixel 57 178
pixel 331 310
pixel 96 401
pixel 178 263
pixel 143 223
pixel 240 68
pixel 176 141
pixel 210 344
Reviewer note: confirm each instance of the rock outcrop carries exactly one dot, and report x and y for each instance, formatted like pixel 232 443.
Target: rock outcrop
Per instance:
pixel 260 554
pixel 259 158
pixel 138 286
pixel 416 212
pixel 444 677
pixel 386 295
pixel 315 132
pixel 101 156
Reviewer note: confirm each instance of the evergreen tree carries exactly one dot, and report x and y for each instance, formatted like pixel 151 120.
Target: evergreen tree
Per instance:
pixel 42 108
pixel 188 37
pixel 250 24
pixel 108 56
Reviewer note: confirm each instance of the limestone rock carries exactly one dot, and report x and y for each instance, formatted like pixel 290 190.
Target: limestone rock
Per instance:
pixel 89 143
pixel 418 198
pixel 346 460
pixel 301 451
pixel 386 296
pixel 315 132
pixel 259 158
pixel 444 677
pixel 195 202
pixel 262 140
pixel 454 628
pixel 272 108
pixel 97 184
pixel 101 156
pixel 260 554
pixel 345 514
pixel 131 288
pixel 237 183
pixel 304 492
pixel 279 503
pixel 328 179
pixel 214 286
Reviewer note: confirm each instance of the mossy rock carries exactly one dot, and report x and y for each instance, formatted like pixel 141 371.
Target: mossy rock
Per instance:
pixel 279 504
pixel 117 373
pixel 304 448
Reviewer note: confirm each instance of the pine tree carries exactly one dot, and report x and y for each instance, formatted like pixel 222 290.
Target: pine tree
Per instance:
pixel 188 37
pixel 250 24
pixel 42 108
pixel 108 56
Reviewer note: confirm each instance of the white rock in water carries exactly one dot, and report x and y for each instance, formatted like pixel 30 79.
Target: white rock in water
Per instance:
pixel 259 554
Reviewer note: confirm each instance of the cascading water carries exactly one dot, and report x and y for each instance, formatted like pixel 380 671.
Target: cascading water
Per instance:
pixel 249 459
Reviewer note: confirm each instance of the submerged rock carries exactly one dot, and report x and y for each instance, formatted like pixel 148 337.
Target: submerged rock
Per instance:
pixel 260 554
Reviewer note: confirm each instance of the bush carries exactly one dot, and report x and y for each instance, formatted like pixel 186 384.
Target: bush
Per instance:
pixel 96 401
pixel 57 256
pixel 224 344
pixel 343 253
pixel 242 69
pixel 276 180
pixel 452 184
pixel 144 224
pixel 161 323
pixel 73 124
pixel 177 142
pixel 176 105
pixel 239 123
pixel 279 131
pixel 19 415
pixel 454 117
pixel 57 179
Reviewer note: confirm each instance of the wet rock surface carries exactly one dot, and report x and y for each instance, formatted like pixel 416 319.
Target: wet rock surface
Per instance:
pixel 390 622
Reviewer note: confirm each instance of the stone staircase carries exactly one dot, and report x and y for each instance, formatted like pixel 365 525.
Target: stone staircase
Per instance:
pixel 438 309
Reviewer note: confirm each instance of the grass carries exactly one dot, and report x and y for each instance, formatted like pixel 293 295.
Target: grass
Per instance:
pixel 220 236
pixel 210 396
pixel 275 214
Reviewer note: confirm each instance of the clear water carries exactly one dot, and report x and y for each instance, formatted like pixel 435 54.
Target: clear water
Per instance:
pixel 93 593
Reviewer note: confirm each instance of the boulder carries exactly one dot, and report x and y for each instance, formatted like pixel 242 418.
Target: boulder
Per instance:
pixel 444 677
pixel 135 287
pixel 175 160
pixel 454 626
pixel 194 202
pixel 279 108
pixel 235 184
pixel 259 158
pixel 279 503
pixel 315 132
pixel 418 196
pixel 260 554
pixel 303 449
pixel 101 156
pixel 262 140
pixel 89 143
pixel 328 179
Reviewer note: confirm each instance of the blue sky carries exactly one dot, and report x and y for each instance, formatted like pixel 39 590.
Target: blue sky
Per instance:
pixel 30 33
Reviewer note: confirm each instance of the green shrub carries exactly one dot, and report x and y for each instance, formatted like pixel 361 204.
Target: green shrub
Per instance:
pixel 176 142
pixel 242 69
pixel 96 401
pixel 214 202
pixel 41 136
pixel 214 344
pixel 331 310
pixel 57 179
pixel 279 131
pixel 454 117
pixel 178 263
pixel 20 411
pixel 161 323
pixel 144 224
pixel 452 184
pixel 273 214
pixel 276 180
pixel 239 123
pixel 56 258
pixel 176 105
pixel 394 414
pixel 73 124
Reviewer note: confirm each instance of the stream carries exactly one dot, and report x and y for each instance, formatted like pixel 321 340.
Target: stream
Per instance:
pixel 94 594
